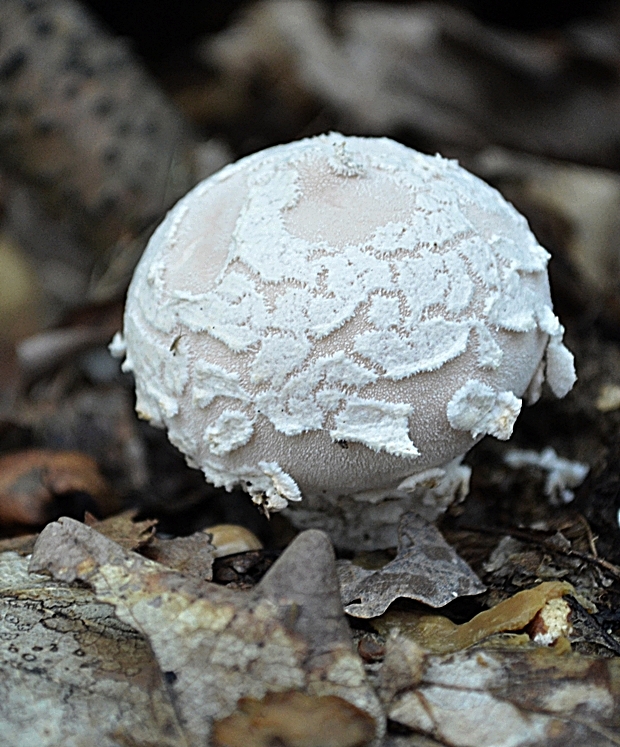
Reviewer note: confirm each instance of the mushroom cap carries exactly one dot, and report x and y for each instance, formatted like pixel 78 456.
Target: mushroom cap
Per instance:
pixel 335 315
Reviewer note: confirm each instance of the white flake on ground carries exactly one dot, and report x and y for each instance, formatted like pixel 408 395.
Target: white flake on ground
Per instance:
pixel 562 474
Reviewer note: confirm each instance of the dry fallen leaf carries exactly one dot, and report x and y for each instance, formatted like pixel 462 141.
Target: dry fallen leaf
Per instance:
pixel 23 544
pixel 294 719
pixel 36 485
pixel 121 528
pixel 216 645
pixel 71 673
pixel 426 568
pixel 494 697
pixel 430 68
pixel 440 635
pixel 192 556
pixel 129 534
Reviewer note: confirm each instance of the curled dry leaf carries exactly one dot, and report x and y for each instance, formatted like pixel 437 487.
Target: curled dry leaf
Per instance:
pixel 294 719
pixel 71 673
pixel 36 485
pixel 216 645
pixel 129 534
pixel 23 544
pixel 440 635
pixel 426 568
pixel 502 697
pixel 192 556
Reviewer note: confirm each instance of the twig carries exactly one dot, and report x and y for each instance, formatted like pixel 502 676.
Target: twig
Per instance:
pixel 609 641
pixel 525 536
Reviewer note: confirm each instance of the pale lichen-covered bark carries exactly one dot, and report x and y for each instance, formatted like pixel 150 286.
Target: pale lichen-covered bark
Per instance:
pixel 71 673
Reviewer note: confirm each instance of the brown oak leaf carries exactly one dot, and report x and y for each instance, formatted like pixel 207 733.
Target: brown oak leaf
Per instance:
pixel 37 485
pixel 193 555
pixel 294 719
pixel 130 534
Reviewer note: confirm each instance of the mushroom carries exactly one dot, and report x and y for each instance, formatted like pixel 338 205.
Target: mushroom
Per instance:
pixel 333 323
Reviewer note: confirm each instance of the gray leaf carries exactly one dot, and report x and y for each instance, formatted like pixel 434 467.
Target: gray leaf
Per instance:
pixel 426 569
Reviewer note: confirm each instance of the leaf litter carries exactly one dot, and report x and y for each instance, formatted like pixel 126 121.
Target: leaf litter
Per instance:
pixel 219 645
pixel 96 680
pixel 426 568
pixel 232 661
pixel 496 696
pixel 34 484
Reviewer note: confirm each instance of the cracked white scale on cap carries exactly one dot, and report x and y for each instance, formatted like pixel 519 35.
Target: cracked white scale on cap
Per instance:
pixel 324 320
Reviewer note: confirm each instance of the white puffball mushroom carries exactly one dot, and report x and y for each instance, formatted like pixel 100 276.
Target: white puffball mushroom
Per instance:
pixel 334 323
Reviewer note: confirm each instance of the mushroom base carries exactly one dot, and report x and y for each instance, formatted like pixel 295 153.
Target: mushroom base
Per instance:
pixel 369 520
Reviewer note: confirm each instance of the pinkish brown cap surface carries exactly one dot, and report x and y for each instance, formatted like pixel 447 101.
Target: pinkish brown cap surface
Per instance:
pixel 335 316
